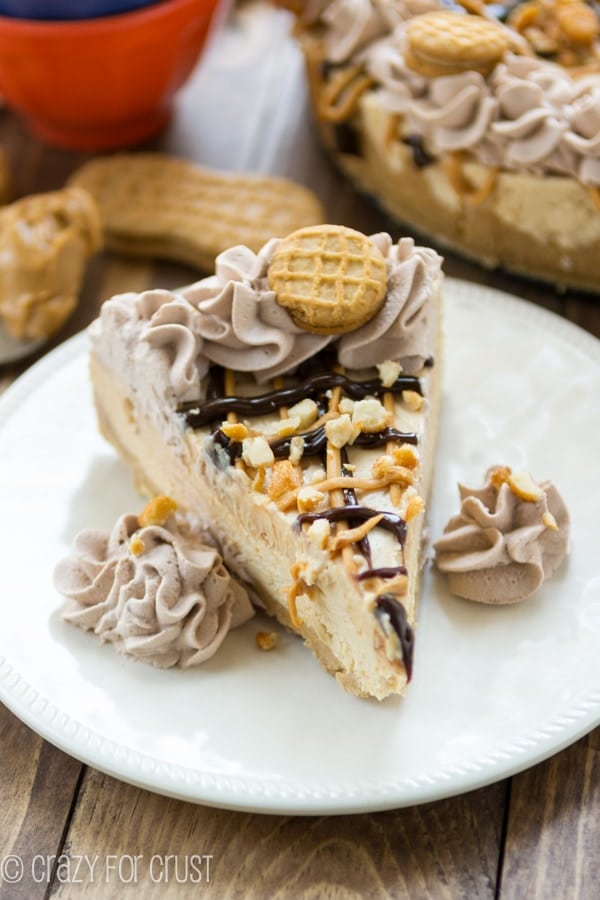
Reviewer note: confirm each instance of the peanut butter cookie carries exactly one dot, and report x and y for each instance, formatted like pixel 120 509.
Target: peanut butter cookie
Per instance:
pixel 445 43
pixel 331 279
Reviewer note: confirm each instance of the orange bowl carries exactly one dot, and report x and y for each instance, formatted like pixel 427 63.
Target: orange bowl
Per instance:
pixel 106 83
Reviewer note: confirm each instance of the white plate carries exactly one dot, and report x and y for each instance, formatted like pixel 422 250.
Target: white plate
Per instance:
pixel 12 349
pixel 494 690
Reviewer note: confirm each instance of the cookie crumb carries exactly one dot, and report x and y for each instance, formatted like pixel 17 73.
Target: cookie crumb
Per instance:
pixel 266 640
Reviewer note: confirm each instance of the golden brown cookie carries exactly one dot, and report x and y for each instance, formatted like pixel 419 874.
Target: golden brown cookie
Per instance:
pixel 45 243
pixel 331 279
pixel 445 43
pixel 155 205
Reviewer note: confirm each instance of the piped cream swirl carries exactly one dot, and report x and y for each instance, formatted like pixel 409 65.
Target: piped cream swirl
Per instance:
pixel 528 115
pixel 583 133
pixel 501 547
pixel 174 324
pixel 531 122
pixel 456 113
pixel 352 25
pixel 233 319
pixel 157 320
pixel 401 330
pixel 240 322
pixel 158 593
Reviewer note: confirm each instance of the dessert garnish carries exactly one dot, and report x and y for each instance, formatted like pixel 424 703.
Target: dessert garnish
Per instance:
pixel 443 43
pixel 153 587
pixel 509 536
pixel 331 279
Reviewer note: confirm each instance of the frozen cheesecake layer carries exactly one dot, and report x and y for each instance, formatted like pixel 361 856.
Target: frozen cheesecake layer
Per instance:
pixel 311 475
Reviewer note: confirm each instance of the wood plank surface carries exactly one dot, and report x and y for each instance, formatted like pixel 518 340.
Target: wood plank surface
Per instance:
pixel 553 836
pixel 442 850
pixel 38 785
pixel 534 835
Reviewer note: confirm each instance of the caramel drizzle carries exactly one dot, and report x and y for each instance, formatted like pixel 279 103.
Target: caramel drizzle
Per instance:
pixel 454 167
pixel 333 468
pixel 296 588
pixel 594 194
pixel 340 485
pixel 340 95
pixel 392 130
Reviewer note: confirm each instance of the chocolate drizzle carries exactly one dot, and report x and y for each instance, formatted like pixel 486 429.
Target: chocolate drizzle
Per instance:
pixel 421 157
pixel 350 499
pixel 315 441
pixel 198 414
pixel 383 572
pixel 389 610
pixel 355 514
pixel 388 606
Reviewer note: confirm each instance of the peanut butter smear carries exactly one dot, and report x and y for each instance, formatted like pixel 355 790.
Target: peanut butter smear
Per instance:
pixel 46 241
pixel 509 536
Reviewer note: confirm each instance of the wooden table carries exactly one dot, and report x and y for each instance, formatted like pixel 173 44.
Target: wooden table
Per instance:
pixel 534 835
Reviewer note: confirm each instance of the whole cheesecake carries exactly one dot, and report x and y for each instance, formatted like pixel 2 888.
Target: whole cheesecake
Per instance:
pixel 476 125
pixel 289 402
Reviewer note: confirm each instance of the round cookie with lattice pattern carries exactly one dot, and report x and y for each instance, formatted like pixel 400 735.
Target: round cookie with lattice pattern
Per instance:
pixel 444 43
pixel 331 279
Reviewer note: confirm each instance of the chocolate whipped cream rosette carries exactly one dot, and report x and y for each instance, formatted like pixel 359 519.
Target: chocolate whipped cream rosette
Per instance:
pixel 480 129
pixel 509 536
pixel 152 587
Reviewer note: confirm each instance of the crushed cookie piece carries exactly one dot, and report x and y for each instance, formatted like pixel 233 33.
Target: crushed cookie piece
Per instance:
pixel 296 449
pixel 308 498
pixel 498 475
pixel 370 415
pixel 415 507
pixel 284 478
pixel 235 431
pixel 136 545
pixel 306 410
pixel 157 511
pixel 413 400
pixel 288 426
pixel 256 452
pixel 524 487
pixel 386 467
pixel 319 532
pixel 549 521
pixel 266 640
pixel 406 455
pixel 340 431
pixel 389 372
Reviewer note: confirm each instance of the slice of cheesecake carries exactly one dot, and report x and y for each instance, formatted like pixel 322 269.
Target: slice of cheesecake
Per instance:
pixel 290 402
